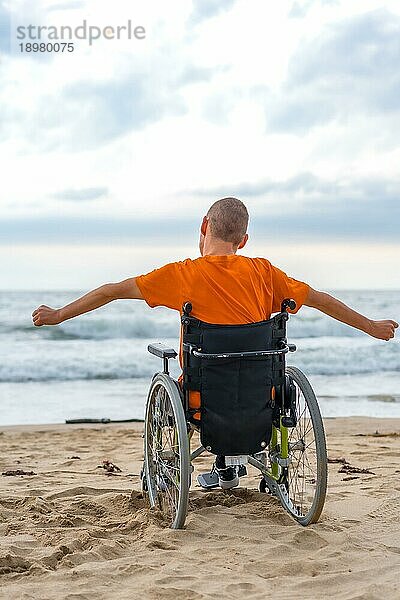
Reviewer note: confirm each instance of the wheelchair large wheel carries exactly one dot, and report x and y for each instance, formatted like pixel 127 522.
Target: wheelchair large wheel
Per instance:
pixel 305 480
pixel 166 451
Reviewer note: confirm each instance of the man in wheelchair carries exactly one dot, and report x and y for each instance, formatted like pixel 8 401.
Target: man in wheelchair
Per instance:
pixel 227 289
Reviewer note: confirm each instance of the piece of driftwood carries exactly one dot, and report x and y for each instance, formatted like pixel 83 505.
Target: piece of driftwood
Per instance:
pixel 350 469
pixel 17 472
pixel 110 467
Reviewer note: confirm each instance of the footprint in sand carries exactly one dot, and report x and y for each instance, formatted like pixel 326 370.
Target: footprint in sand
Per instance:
pixel 242 586
pixel 309 540
pixel 13 564
pixel 160 545
pixel 174 580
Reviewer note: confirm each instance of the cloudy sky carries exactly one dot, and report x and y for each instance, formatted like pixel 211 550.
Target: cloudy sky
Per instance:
pixel 111 155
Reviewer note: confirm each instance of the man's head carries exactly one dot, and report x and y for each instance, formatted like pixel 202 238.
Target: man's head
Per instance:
pixel 224 227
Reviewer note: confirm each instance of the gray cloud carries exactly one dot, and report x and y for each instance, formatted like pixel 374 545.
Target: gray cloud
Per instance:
pixel 194 74
pixel 306 183
pixel 351 68
pixel 365 45
pixel 299 10
pixel 206 9
pixel 82 195
pixel 134 101
pixel 85 113
pixel 114 108
pixel 95 230
pixel 312 208
pixel 365 210
pixel 371 214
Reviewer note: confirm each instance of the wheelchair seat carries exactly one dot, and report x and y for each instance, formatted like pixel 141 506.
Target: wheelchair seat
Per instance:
pixel 238 370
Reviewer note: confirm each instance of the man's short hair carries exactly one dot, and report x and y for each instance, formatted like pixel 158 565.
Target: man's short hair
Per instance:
pixel 228 219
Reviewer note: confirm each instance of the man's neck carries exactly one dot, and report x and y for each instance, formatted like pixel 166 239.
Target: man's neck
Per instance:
pixel 219 251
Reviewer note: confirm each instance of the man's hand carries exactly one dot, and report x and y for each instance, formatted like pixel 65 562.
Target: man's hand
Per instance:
pixel 383 330
pixel 44 315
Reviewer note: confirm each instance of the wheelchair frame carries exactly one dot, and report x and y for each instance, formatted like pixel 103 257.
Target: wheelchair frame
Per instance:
pixel 275 462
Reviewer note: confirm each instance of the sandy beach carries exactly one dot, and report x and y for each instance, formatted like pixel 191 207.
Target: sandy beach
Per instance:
pixel 71 530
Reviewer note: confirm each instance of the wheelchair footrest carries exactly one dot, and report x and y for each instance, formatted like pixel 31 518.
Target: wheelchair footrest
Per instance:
pixel 210 480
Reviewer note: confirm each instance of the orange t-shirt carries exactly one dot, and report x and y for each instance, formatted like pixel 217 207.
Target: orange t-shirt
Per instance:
pixel 227 290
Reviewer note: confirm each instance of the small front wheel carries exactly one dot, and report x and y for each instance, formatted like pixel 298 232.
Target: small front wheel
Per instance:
pixel 262 486
pixel 166 451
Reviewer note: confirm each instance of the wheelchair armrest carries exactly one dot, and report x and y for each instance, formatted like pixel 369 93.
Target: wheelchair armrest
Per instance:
pixel 161 350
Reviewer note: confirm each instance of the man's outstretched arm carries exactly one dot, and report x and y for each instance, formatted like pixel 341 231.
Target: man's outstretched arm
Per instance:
pixel 383 330
pixel 44 315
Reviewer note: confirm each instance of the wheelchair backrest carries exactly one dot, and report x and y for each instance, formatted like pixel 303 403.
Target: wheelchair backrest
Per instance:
pixel 236 399
pixel 211 338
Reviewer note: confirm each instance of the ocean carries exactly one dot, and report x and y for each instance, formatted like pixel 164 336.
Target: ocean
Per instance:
pixel 97 365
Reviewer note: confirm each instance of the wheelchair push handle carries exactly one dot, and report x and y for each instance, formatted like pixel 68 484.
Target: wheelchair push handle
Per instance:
pixel 187 308
pixel 288 303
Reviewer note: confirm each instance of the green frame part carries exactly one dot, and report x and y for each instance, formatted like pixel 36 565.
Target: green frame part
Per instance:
pixel 273 443
pixel 284 441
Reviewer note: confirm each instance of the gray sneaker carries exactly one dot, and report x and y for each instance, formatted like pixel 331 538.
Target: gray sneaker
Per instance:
pixel 227 476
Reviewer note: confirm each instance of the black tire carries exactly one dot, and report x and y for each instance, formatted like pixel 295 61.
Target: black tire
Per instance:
pixel 166 451
pixel 304 488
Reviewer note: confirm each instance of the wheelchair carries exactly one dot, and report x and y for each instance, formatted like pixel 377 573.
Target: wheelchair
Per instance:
pixel 254 410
